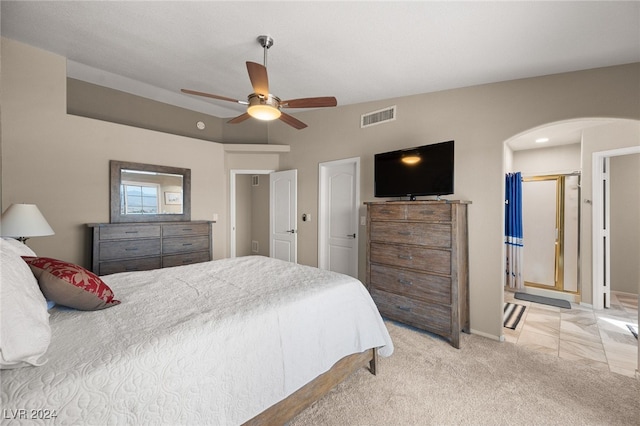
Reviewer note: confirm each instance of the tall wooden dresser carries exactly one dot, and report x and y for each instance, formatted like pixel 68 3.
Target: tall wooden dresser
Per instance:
pixel 121 247
pixel 417 264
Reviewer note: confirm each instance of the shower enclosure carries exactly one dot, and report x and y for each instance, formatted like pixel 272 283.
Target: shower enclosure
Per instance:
pixel 551 222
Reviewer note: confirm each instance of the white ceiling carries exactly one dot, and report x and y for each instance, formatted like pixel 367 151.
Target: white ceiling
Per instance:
pixel 357 51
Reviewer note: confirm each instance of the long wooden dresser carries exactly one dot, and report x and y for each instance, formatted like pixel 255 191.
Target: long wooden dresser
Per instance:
pixel 417 264
pixel 121 247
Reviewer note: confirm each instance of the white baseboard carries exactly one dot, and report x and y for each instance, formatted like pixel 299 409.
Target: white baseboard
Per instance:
pixel 487 335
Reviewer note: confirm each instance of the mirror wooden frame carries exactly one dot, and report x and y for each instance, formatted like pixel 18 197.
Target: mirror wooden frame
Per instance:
pixel 116 171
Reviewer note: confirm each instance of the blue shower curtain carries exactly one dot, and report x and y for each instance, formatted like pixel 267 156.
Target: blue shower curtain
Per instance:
pixel 513 230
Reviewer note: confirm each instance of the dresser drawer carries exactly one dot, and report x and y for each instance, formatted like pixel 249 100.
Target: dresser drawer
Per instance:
pixel 129 231
pixel 124 249
pixel 143 264
pixel 185 244
pixel 429 212
pixel 414 257
pixel 425 234
pixel 183 229
pixel 420 314
pixel 184 259
pixel 433 288
pixel 388 211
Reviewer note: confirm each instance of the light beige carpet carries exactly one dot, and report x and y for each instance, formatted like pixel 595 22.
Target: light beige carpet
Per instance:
pixel 428 382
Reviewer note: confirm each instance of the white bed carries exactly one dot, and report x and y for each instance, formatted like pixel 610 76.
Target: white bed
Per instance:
pixel 210 343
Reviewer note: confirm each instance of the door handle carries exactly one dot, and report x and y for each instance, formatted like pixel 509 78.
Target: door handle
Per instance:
pixel 351 235
pixel 291 231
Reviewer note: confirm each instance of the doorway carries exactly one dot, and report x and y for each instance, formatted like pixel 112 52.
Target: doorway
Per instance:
pixel 248 230
pixel 602 223
pixel 551 223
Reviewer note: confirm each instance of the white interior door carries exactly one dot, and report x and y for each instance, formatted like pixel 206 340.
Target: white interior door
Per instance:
pixel 605 240
pixel 338 216
pixel 601 254
pixel 283 215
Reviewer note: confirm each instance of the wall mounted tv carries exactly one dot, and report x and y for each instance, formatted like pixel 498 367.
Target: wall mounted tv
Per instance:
pixel 423 170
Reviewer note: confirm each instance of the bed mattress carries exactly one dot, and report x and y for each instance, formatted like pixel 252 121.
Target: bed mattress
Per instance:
pixel 209 343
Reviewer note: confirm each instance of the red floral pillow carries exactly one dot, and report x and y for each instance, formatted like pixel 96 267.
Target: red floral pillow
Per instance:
pixel 70 285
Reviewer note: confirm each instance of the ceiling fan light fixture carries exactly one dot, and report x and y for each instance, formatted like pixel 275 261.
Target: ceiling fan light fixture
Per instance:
pixel 264 108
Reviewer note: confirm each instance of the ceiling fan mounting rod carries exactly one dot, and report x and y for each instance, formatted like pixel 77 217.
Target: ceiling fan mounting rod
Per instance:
pixel 266 42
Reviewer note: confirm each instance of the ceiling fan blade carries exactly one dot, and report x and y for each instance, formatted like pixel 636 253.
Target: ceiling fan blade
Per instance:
pixel 259 78
pixel 326 101
pixel 292 121
pixel 209 95
pixel 239 118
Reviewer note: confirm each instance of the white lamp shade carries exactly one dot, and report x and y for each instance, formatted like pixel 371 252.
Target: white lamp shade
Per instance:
pixel 24 220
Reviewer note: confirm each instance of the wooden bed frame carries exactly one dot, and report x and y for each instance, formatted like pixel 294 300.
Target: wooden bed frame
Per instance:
pixel 294 404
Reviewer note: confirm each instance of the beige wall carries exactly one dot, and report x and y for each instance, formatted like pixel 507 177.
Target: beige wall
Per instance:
pixel 625 223
pixel 94 101
pixel 40 140
pixel 260 214
pixel 243 215
pixel 61 162
pixel 547 161
pixel 252 214
pixel 607 137
pixel 480 119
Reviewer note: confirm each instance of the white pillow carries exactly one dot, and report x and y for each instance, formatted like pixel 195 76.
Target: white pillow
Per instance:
pixel 25 333
pixel 12 245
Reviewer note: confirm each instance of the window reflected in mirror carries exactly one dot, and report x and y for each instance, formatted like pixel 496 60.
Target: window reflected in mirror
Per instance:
pixel 144 192
pixel 147 192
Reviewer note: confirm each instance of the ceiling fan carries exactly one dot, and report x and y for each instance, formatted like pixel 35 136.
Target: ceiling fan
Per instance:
pixel 262 104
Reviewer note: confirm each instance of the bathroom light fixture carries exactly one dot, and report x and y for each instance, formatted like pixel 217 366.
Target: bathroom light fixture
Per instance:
pixel 264 108
pixel 542 140
pixel 22 221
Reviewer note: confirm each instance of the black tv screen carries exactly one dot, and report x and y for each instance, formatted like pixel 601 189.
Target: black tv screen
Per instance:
pixel 423 170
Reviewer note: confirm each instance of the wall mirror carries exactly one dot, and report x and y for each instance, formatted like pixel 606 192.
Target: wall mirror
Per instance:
pixel 149 193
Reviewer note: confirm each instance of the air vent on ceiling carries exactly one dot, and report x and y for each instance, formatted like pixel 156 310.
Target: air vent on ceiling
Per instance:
pixel 377 117
pixel 255 180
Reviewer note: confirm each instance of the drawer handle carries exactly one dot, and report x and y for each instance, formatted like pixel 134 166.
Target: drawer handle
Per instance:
pixel 405 282
pixel 186 261
pixel 187 244
pixel 187 229
pixel 405 256
pixel 132 249
pixel 404 308
pixel 130 232
pixel 404 232
pixel 131 269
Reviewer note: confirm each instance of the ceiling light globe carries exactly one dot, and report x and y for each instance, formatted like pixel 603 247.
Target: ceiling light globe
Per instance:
pixel 264 112
pixel 264 107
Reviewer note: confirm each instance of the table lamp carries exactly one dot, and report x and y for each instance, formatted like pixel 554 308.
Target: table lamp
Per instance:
pixel 23 221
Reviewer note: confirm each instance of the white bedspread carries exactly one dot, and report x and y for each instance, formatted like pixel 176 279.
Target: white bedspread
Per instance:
pixel 210 343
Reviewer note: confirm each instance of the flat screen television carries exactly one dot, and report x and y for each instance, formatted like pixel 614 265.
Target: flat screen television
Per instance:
pixel 420 171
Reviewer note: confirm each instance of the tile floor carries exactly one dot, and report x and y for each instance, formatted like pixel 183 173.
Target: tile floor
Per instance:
pixel 599 338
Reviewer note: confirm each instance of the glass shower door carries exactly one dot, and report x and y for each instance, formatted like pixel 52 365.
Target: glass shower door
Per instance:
pixel 550 214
